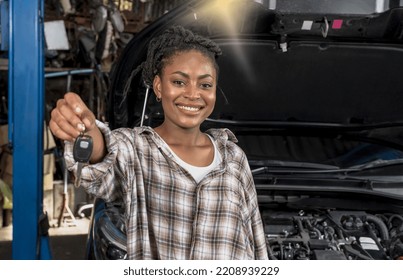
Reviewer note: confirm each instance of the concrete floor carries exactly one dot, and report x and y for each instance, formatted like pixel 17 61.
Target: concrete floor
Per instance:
pixel 67 242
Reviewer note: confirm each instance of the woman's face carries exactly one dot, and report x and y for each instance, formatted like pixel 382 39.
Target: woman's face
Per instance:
pixel 187 88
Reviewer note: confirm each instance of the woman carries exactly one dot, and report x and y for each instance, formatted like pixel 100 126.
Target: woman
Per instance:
pixel 188 194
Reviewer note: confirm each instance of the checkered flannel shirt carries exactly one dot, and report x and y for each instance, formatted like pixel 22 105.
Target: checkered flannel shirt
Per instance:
pixel 169 215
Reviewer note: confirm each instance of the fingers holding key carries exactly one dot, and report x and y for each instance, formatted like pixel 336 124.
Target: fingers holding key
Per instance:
pixel 64 124
pixel 70 117
pixel 81 110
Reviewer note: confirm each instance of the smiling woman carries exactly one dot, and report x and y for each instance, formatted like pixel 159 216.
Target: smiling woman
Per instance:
pixel 186 87
pixel 187 193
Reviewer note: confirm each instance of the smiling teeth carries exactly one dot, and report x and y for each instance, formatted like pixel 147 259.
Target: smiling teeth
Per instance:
pixel 187 108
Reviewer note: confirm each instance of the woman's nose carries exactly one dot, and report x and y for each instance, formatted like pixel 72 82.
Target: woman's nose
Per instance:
pixel 192 92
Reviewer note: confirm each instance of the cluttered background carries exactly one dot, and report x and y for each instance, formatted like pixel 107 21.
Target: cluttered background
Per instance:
pixel 83 40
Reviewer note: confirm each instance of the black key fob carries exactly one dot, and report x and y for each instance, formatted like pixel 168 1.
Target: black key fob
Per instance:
pixel 82 149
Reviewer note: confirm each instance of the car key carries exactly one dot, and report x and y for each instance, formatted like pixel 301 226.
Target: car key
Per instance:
pixel 82 151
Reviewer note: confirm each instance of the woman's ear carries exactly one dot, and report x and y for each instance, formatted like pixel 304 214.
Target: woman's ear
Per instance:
pixel 157 86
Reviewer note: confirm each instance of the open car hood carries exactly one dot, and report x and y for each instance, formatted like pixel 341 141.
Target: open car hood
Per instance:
pixel 289 65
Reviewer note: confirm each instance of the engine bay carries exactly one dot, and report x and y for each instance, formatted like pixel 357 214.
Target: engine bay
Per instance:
pixel 333 235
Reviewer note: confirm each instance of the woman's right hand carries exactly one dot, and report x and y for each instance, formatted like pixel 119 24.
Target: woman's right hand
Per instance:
pixel 71 117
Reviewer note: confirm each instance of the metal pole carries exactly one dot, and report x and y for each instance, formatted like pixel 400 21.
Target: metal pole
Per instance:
pixel 26 117
pixel 143 113
pixel 69 73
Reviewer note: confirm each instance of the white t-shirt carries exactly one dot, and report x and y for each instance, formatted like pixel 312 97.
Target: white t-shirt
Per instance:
pixel 198 172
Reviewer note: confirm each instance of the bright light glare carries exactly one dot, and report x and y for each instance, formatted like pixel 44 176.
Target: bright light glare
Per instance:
pixel 228 16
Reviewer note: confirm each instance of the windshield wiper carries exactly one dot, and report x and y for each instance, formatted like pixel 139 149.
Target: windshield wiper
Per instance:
pixel 273 124
pixel 376 164
pixel 280 166
pixel 324 171
pixel 277 166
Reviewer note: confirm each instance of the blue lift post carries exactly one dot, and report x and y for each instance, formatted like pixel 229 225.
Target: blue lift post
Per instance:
pixel 26 118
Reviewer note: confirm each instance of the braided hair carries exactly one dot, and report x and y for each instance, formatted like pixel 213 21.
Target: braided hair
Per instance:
pixel 172 41
pixel 163 47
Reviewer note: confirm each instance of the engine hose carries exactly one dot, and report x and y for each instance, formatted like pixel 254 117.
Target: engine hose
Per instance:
pixel 282 256
pixel 383 230
pixel 313 229
pixel 349 249
pixel 375 238
pixel 395 241
pixel 299 224
pixel 275 246
pixel 395 216
pixel 270 253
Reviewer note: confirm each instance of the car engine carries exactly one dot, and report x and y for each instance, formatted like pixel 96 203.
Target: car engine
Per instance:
pixel 290 234
pixel 333 235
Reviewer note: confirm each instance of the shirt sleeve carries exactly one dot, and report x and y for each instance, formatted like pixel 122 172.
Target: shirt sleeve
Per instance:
pixel 256 223
pixel 105 179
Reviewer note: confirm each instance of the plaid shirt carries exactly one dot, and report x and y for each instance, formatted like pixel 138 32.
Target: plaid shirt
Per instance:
pixel 170 216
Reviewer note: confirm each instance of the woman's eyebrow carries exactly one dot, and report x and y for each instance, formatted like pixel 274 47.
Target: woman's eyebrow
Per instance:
pixel 187 76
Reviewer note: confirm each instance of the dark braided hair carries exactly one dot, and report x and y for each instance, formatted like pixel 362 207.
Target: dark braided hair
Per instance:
pixel 163 47
pixel 172 41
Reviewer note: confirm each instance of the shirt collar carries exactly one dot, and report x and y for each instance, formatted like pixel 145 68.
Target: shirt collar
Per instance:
pixel 223 134
pixel 219 134
pixel 145 129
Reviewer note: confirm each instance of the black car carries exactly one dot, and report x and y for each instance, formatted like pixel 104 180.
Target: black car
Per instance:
pixel 313 91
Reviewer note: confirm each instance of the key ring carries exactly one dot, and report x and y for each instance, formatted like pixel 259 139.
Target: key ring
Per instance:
pixel 82 129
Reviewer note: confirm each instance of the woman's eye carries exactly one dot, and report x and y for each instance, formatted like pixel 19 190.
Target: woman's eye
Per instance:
pixel 179 83
pixel 206 85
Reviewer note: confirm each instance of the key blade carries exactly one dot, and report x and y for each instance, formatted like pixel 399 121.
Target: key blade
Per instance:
pixel 77 182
